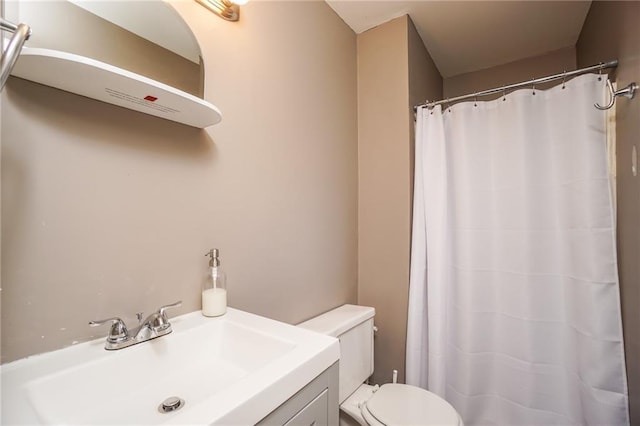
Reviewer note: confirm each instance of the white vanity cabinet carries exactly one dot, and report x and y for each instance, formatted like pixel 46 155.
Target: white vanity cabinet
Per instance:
pixel 314 405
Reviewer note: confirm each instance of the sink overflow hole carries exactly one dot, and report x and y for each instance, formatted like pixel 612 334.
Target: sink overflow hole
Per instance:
pixel 170 404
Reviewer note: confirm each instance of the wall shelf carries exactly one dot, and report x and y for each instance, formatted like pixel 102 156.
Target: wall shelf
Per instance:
pixel 107 83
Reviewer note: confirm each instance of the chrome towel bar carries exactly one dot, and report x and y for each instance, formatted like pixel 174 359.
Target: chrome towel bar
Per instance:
pixel 21 33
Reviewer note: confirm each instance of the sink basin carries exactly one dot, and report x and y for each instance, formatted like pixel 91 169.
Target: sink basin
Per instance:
pixel 233 369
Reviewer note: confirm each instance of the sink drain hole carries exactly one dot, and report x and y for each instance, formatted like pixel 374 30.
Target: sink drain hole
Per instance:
pixel 170 404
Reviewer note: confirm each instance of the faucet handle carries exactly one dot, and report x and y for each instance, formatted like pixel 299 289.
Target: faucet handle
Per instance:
pixel 159 321
pixel 118 331
pixel 165 307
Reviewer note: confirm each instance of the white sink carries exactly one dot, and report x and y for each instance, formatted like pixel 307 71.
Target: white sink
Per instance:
pixel 233 369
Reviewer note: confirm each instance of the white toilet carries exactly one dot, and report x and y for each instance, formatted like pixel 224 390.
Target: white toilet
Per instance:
pixel 389 404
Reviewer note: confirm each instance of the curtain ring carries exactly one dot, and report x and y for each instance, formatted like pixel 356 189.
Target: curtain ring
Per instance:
pixel 533 86
pixel 475 101
pixel 564 78
pixel 600 71
pixel 426 105
pixel 504 95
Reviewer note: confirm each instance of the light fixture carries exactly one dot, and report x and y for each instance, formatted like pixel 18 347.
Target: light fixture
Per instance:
pixel 226 9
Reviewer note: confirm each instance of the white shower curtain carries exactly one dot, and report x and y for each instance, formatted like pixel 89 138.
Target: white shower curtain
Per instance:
pixel 514 309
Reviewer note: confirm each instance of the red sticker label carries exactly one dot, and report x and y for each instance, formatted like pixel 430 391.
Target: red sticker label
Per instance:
pixel 150 98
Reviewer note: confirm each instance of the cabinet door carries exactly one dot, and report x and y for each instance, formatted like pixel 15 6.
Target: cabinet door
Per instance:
pixel 313 414
pixel 315 404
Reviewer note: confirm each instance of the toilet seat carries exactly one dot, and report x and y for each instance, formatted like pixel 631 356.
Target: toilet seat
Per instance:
pixel 398 404
pixel 352 405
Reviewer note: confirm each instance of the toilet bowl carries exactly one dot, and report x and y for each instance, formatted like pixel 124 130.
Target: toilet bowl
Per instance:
pixel 389 404
pixel 398 404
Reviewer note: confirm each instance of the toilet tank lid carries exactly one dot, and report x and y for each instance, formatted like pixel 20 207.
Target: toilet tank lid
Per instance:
pixel 339 320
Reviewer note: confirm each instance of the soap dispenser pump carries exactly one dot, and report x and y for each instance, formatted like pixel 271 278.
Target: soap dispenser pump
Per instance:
pixel 214 290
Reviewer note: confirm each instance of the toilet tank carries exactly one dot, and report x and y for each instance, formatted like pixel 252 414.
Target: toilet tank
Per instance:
pixel 353 326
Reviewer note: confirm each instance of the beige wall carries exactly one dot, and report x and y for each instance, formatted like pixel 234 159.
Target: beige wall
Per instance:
pixel 123 49
pixel 425 81
pixel 389 58
pixel 109 212
pixel 512 72
pixel 601 41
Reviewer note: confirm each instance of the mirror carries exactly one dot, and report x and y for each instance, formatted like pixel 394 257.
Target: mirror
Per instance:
pixel 146 37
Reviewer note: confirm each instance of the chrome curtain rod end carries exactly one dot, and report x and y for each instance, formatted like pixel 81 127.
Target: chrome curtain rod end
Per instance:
pixel 628 92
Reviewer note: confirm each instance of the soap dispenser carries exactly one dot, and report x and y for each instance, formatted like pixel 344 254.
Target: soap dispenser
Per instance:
pixel 214 290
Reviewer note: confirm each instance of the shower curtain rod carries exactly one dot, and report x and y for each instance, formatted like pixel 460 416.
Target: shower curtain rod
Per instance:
pixel 564 75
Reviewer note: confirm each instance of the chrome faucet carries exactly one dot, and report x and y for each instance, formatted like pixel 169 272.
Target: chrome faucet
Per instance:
pixel 155 325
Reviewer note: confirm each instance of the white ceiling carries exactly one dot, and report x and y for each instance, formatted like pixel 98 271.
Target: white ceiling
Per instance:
pixel 466 36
